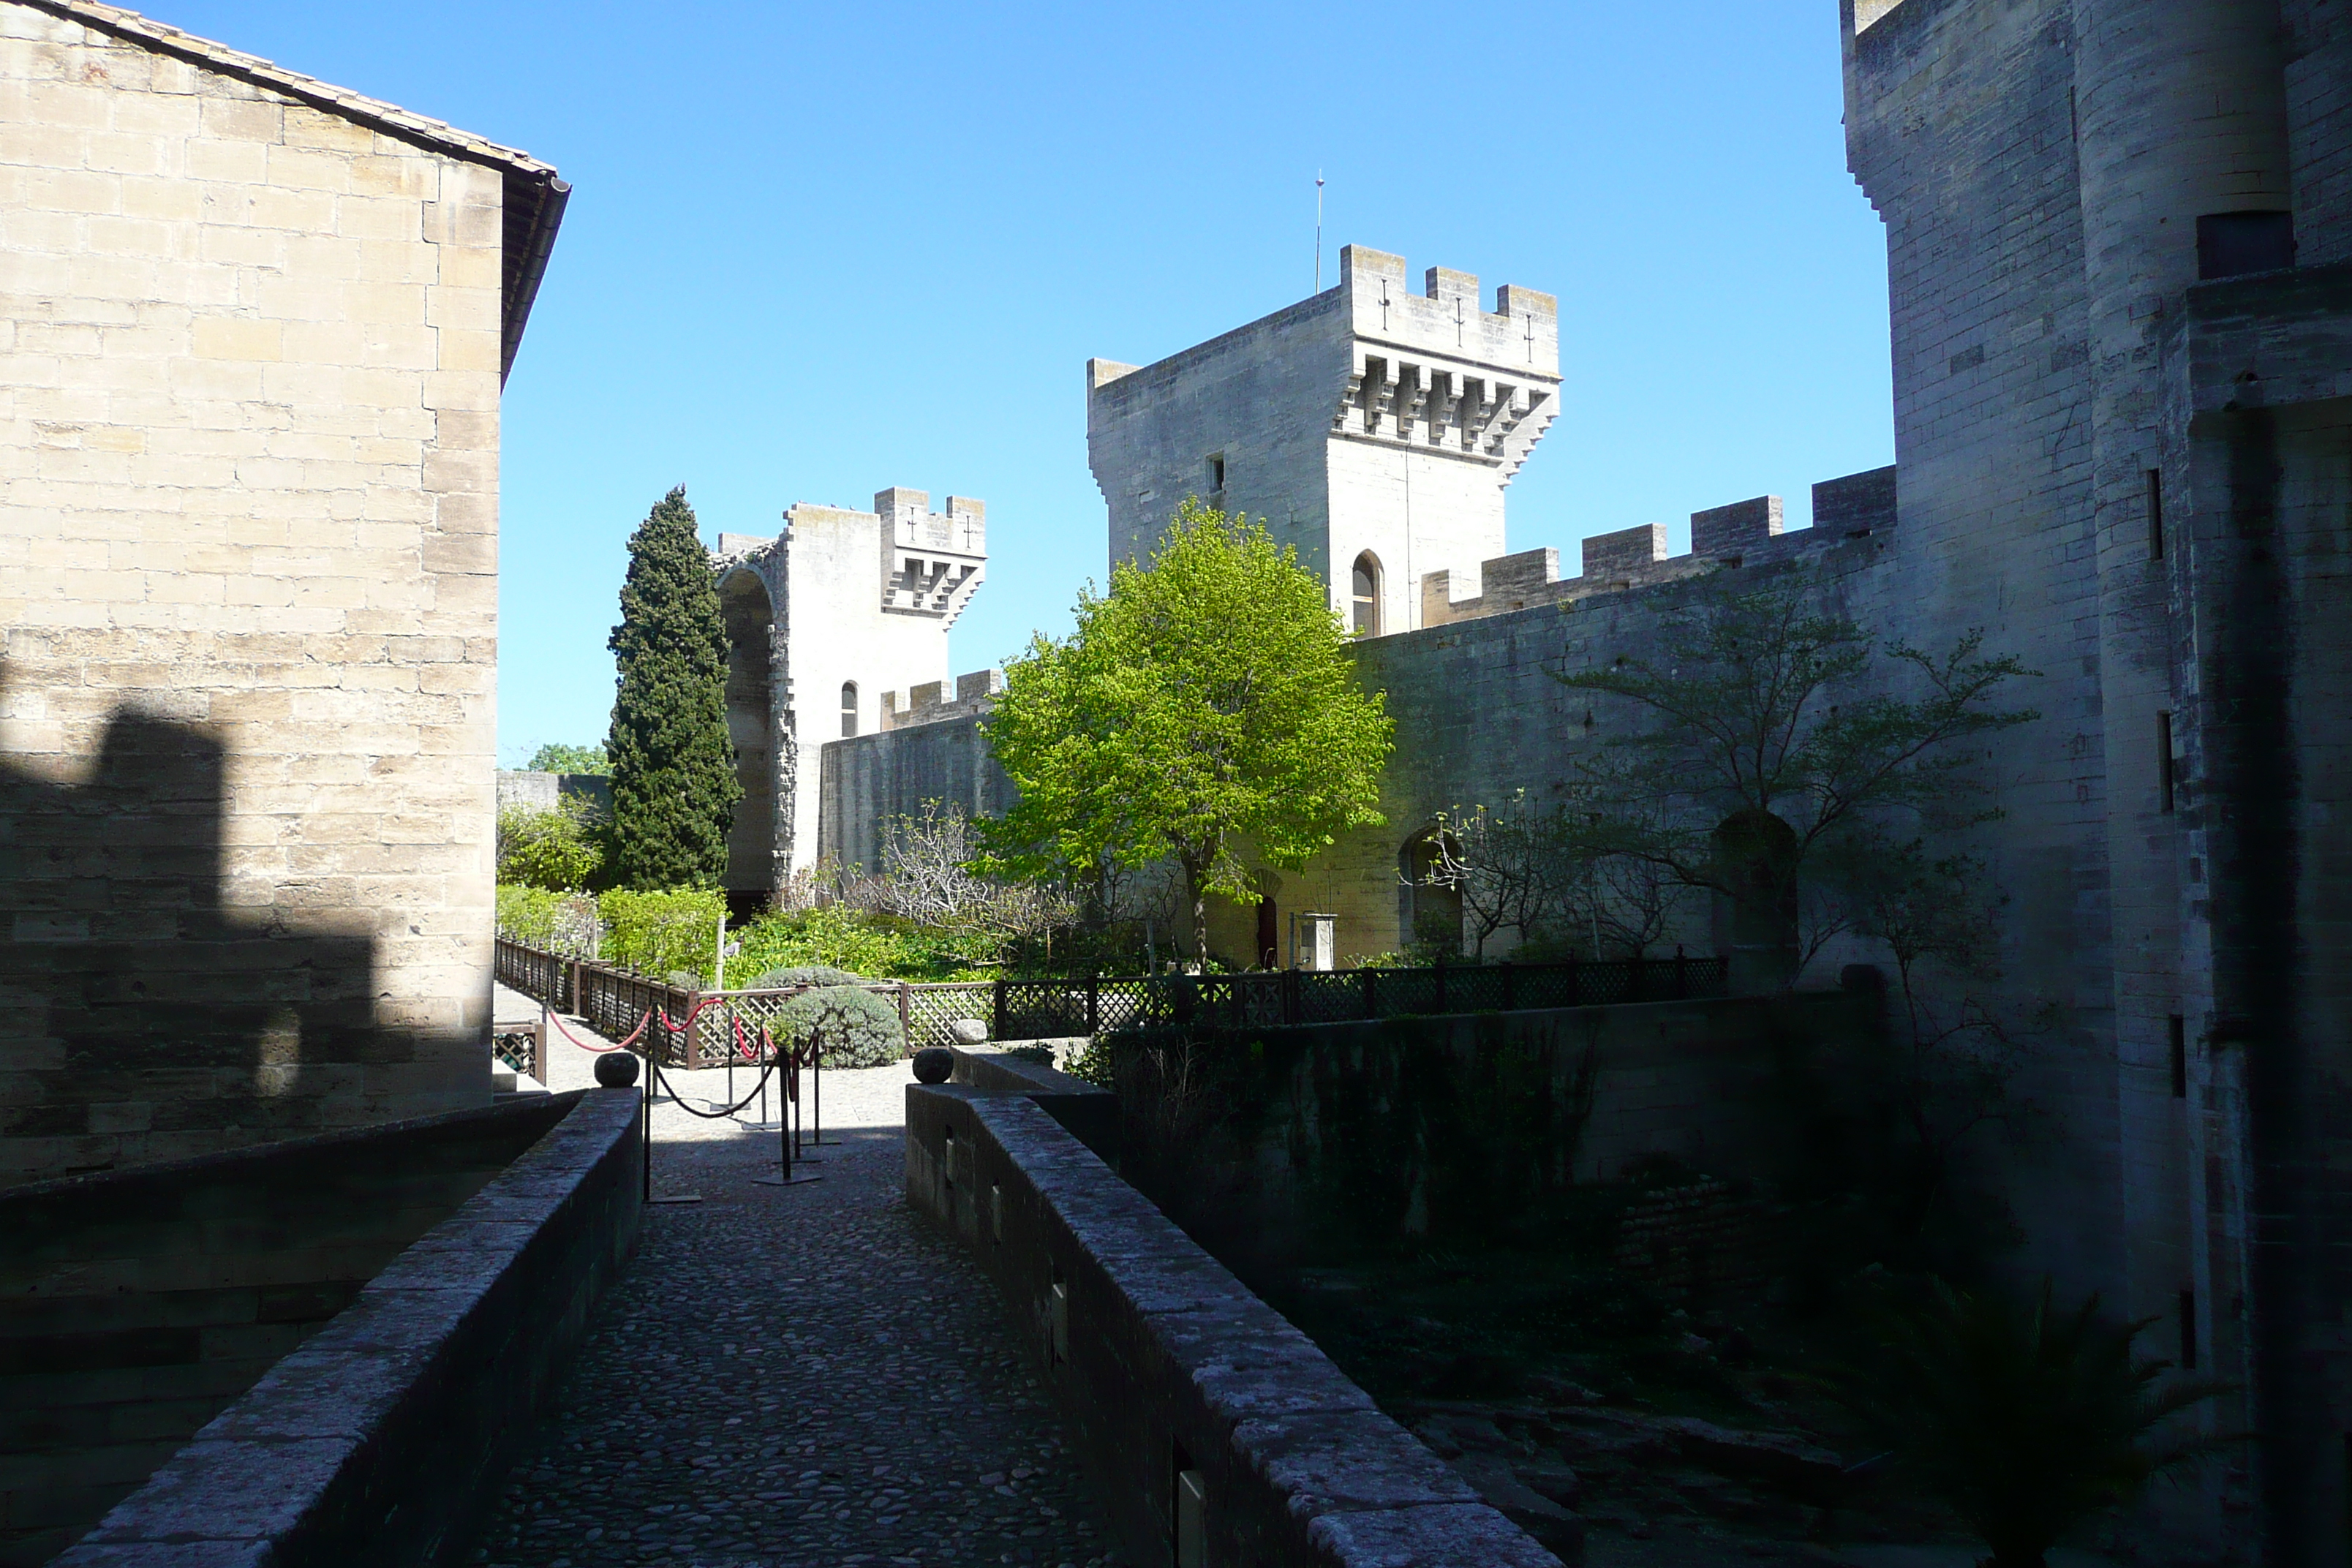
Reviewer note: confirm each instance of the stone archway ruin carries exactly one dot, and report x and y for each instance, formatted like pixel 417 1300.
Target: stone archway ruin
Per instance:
pixel 753 863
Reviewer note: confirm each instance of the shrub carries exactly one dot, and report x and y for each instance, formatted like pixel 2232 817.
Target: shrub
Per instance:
pixel 858 1029
pixel 656 933
pixel 527 914
pixel 558 923
pixel 805 974
pixel 850 941
pixel 560 849
pixel 2024 1418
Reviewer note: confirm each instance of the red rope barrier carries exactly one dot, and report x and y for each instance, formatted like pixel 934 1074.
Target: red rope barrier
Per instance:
pixel 623 1045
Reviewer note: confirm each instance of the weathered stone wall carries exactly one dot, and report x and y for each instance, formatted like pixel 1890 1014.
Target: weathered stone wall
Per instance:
pixel 249 508
pixel 382 1438
pixel 1213 1430
pixel 1333 1141
pixel 544 791
pixel 136 1305
pixel 868 781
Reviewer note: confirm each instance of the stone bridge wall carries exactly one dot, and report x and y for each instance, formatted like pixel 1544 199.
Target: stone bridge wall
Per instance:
pixel 1211 1429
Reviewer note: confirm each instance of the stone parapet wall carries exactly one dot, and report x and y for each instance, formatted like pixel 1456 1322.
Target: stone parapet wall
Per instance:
pixel 1213 1430
pixel 136 1305
pixel 1743 533
pixel 382 1437
pixel 1478 1115
pixel 538 791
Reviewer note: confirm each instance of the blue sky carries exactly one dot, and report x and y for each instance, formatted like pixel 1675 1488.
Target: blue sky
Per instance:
pixel 812 252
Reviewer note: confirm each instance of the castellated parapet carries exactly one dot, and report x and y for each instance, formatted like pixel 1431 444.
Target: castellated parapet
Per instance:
pixel 1745 532
pixel 828 623
pixel 1371 425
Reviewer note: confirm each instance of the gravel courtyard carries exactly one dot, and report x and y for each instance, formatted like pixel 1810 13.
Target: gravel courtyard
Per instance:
pixel 792 1376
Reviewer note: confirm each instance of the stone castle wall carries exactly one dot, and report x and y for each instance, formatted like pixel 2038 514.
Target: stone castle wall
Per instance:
pixel 2119 252
pixel 869 782
pixel 248 556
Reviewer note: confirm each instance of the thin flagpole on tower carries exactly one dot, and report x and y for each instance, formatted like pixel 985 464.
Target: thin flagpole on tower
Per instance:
pixel 1319 231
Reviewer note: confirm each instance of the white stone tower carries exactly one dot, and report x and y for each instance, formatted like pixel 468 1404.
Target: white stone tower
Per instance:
pixel 1374 429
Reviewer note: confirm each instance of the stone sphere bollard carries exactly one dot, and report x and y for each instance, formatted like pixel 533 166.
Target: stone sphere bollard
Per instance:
pixel 934 1064
pixel 616 1069
pixel 969 1032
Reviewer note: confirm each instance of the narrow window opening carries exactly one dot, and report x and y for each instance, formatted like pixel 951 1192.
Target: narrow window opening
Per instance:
pixel 1217 471
pixel 1366 595
pixel 1191 1513
pixel 848 708
pixel 2177 1028
pixel 2229 245
pixel 1057 1318
pixel 2189 1331
pixel 2164 760
pixel 2156 514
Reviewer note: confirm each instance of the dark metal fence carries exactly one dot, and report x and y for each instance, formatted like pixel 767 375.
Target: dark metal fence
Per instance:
pixel 1042 1009
pixel 615 1002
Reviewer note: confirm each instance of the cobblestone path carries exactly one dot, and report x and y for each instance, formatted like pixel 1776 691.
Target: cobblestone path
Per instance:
pixel 796 1376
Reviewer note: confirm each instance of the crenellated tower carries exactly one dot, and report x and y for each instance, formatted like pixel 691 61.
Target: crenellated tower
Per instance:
pixel 1374 428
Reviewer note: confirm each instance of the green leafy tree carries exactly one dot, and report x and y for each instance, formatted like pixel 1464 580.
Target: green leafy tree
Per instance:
pixel 555 757
pixel 674 786
pixel 1204 710
pixel 1773 741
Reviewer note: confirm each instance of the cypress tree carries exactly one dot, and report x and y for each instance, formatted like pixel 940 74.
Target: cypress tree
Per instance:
pixel 674 786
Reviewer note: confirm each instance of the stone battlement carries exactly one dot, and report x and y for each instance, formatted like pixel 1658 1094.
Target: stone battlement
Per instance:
pixel 1744 532
pixel 1446 316
pixel 930 702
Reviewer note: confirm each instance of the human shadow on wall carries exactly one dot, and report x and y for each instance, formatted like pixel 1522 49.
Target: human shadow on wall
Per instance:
pixel 143 1021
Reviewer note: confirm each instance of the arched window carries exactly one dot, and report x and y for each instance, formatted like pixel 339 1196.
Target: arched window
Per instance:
pixel 848 708
pixel 1367 621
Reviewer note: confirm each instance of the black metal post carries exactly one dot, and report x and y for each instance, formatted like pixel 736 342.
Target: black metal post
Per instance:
pixel 1682 973
pixel 998 1032
pixel 1094 1003
pixel 1510 987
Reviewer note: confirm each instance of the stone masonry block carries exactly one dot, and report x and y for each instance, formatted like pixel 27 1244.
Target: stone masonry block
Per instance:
pixel 1626 551
pixel 1729 529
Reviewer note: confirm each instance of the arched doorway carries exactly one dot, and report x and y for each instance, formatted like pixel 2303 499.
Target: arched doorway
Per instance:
pixel 1364 591
pixel 1430 907
pixel 750 724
